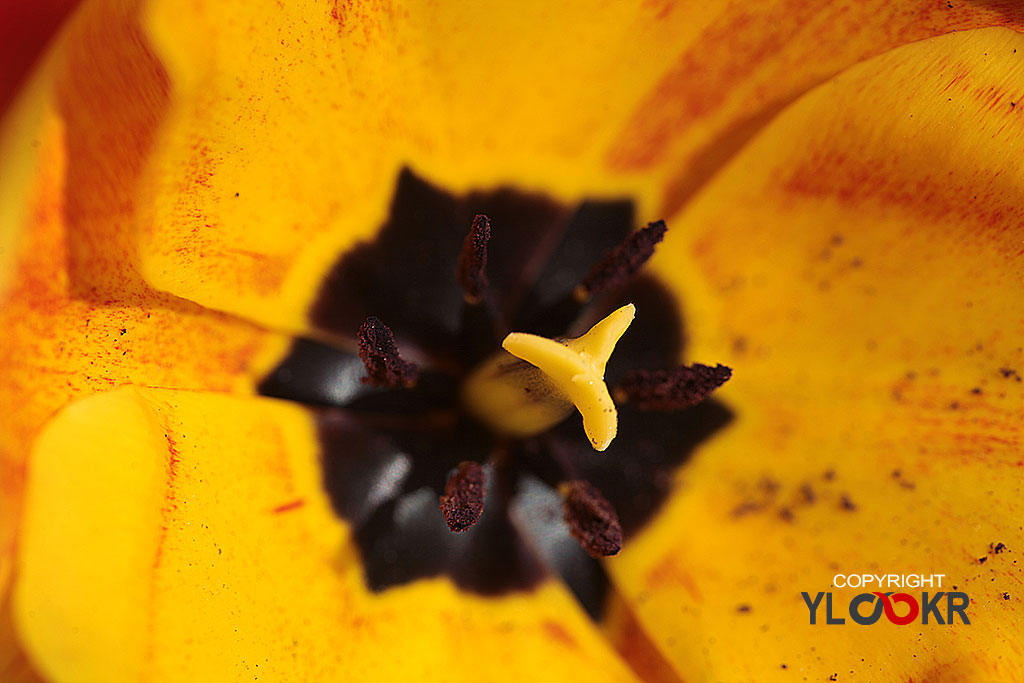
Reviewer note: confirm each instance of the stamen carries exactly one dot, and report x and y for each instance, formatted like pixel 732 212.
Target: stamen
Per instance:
pixel 621 262
pixel 591 518
pixel 473 260
pixel 377 350
pixel 463 500
pixel 677 389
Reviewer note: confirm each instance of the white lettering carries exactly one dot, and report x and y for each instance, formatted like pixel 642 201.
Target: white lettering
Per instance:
pixel 888 580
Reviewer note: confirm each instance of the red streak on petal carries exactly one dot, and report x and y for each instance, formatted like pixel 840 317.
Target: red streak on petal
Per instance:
pixel 290 505
pixel 170 503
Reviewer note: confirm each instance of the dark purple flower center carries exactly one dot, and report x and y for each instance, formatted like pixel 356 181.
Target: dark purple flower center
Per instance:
pixel 389 451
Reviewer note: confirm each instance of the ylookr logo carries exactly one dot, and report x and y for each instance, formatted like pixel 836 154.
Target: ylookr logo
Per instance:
pixel 867 608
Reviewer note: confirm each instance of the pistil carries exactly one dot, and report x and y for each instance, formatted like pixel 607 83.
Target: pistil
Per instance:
pixel 533 384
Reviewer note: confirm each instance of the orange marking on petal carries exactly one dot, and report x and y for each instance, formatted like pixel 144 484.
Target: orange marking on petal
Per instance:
pixel 261 273
pixel 634 644
pixel 112 93
pixel 667 573
pixel 558 633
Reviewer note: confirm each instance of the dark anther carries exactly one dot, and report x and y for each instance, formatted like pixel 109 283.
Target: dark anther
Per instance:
pixel 377 350
pixel 676 389
pixel 592 519
pixel 473 260
pixel 463 500
pixel 623 261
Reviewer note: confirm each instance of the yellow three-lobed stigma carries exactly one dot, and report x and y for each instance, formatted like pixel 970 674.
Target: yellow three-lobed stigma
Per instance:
pixel 522 399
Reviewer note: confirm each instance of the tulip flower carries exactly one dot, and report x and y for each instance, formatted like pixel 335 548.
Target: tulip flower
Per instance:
pixel 217 219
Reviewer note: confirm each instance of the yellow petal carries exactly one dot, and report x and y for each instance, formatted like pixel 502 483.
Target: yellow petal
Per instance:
pixel 860 263
pixel 77 318
pixel 291 125
pixel 287 126
pixel 179 547
pixel 750 60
